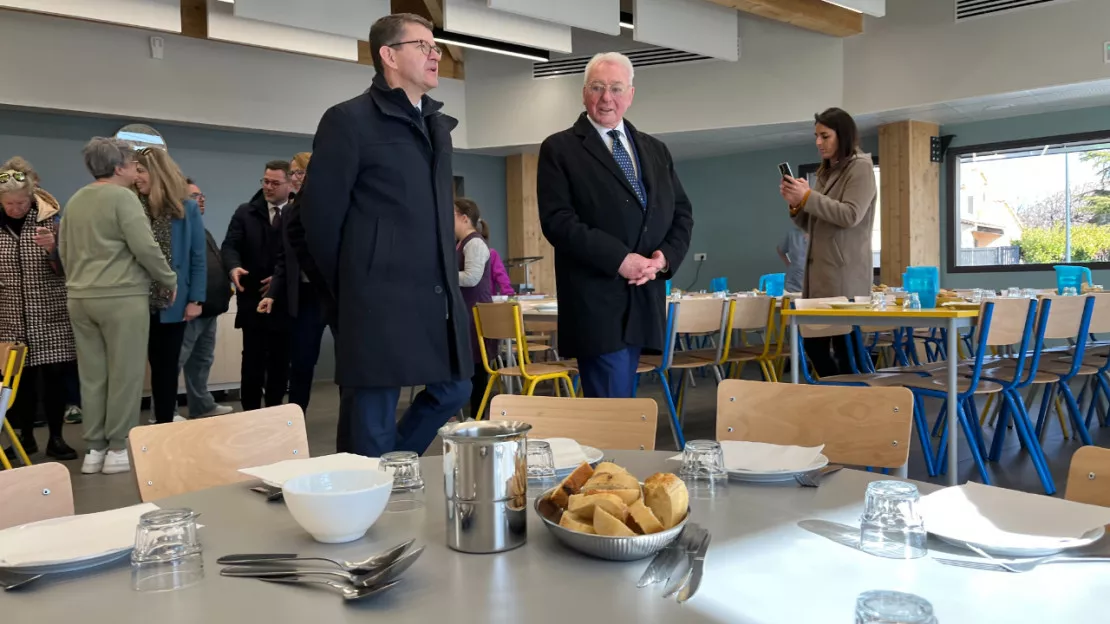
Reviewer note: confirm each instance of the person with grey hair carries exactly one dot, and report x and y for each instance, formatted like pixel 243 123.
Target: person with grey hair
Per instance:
pixel 110 257
pixel 614 210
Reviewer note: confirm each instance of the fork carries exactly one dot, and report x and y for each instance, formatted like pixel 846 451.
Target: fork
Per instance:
pixel 14 580
pixel 813 477
pixel 1025 565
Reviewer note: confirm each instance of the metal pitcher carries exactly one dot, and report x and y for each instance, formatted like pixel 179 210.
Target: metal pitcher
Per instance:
pixel 485 478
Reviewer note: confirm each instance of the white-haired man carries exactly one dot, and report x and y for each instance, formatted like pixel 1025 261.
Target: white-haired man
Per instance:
pixel 613 208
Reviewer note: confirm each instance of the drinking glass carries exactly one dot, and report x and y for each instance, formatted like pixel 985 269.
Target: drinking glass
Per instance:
pixel 977 295
pixel 408 484
pixel 1029 293
pixel 891 525
pixel 911 301
pixel 892 607
pixel 1013 292
pixel 1070 291
pixel 878 301
pixel 167 554
pixel 541 468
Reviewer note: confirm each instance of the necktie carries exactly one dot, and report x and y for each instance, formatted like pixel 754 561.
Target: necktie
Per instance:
pixel 277 216
pixel 624 160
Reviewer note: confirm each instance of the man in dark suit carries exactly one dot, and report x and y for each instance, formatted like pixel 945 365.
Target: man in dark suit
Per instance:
pixel 614 210
pixel 383 238
pixel 250 251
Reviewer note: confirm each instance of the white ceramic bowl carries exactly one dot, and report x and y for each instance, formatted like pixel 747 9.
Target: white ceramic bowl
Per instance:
pixel 340 506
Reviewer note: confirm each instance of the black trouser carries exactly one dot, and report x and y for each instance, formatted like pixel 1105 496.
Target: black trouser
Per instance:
pixel 307 332
pixel 163 351
pixel 828 363
pixel 478 388
pixel 53 378
pixel 265 362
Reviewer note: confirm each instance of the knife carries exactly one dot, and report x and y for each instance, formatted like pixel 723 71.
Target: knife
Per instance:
pixel 691 545
pixel 697 567
pixel 665 560
pixel 255 558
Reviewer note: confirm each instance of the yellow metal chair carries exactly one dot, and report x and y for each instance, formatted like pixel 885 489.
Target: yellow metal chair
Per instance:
pixel 14 357
pixel 746 314
pixel 502 321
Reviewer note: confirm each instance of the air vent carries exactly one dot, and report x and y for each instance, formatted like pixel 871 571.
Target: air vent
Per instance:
pixel 967 9
pixel 646 57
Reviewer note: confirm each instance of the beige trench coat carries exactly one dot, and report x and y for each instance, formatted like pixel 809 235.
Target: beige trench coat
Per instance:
pixel 838 216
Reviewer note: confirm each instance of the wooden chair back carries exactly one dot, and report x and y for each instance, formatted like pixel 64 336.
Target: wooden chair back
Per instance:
pixel 1100 316
pixel 752 313
pixel 611 424
pixel 181 457
pixel 821 331
pixel 1008 320
pixel 1089 476
pixel 498 321
pixel 1064 317
pixel 702 316
pixel 859 426
pixel 34 493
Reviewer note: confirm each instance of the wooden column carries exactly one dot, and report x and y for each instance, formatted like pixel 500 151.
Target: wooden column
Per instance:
pixel 525 237
pixel 910 199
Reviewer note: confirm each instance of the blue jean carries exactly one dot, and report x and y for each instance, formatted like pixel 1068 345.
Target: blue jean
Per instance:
pixel 370 417
pixel 197 354
pixel 304 348
pixel 610 375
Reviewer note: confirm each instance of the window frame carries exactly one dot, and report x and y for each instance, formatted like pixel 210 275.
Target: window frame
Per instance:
pixel 952 159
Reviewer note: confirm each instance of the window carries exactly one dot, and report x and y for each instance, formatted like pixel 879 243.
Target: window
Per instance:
pixel 809 172
pixel 1029 205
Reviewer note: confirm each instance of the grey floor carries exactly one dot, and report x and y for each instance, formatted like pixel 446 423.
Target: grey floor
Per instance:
pixel 98 492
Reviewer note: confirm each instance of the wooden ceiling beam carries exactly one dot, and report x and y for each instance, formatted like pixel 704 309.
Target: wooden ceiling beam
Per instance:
pixel 816 15
pixel 433 11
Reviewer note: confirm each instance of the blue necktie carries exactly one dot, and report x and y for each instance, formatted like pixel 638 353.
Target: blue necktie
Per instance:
pixel 625 162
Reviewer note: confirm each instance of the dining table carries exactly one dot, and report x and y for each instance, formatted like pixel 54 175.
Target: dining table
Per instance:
pixel 762 567
pixel 950 319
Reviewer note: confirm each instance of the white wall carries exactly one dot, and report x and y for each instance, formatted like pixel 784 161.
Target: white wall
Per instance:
pixel 784 74
pixel 918 55
pixel 71 65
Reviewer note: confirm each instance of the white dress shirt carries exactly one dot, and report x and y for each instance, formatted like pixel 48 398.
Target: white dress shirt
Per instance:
pixel 608 140
pixel 274 209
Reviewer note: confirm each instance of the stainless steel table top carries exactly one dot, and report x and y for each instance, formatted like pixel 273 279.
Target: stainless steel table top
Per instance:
pixel 761 568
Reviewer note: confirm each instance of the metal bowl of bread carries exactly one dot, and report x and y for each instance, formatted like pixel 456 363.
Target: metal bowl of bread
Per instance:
pixel 607 513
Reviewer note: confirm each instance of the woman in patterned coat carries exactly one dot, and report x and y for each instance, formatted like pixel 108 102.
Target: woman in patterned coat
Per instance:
pixel 33 304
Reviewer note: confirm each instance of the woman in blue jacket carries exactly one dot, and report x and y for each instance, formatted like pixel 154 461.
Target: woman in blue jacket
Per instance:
pixel 179 231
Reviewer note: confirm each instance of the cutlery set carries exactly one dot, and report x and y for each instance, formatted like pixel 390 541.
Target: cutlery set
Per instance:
pixel 353 580
pixel 990 564
pixel 691 547
pixel 813 478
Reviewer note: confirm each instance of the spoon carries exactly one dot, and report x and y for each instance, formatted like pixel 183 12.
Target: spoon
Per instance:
pixel 12 581
pixel 370 564
pixel 370 579
pixel 347 591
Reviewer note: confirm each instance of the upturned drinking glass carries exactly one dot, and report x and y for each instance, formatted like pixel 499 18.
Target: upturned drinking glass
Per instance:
pixel 891 525
pixel 167 554
pixel 892 607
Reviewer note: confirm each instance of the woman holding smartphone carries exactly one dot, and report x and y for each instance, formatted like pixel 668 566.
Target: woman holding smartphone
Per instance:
pixel 837 213
pixel 33 305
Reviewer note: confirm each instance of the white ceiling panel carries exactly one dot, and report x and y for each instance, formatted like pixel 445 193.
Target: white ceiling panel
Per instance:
pixel 224 26
pixel 164 15
pixel 346 18
pixel 689 25
pixel 475 18
pixel 598 15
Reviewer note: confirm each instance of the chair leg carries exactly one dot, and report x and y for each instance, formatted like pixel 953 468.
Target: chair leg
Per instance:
pixel 1024 428
pixel 942 446
pixel 1046 405
pixel 570 387
pixel 16 444
pixel 1000 429
pixel 922 426
pixel 530 387
pixel 974 441
pixel 676 427
pixel 1093 384
pixel 682 380
pixel 1076 417
pixel 1060 416
pixel 940 421
pixel 987 410
pixel 973 424
pixel 486 396
pixel 1106 392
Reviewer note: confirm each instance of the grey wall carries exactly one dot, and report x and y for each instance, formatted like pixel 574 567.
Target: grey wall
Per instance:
pixel 225 164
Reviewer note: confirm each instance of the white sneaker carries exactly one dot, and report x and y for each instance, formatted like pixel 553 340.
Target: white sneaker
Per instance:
pixel 94 462
pixel 179 418
pixel 116 462
pixel 219 410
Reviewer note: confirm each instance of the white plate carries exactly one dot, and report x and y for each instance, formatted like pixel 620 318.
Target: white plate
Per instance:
pixel 777 476
pixel 1019 552
pixel 274 475
pixel 593 457
pixel 71 542
pixel 72 566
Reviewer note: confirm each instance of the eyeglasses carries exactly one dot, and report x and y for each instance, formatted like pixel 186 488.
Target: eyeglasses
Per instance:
pixel 270 183
pixel 598 89
pixel 18 176
pixel 425 48
pixel 196 197
pixel 296 173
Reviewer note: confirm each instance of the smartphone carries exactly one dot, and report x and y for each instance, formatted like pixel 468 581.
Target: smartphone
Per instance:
pixel 784 170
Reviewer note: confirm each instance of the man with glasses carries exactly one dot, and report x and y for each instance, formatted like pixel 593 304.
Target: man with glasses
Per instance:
pixel 614 210
pixel 198 348
pixel 250 251
pixel 383 239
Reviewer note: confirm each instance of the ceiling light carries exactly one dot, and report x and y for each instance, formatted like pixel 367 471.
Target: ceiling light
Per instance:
pixel 626 21
pixel 487 45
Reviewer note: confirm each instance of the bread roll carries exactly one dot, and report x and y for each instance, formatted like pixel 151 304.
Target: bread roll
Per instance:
pixel 571 485
pixel 667 497
pixel 628 496
pixel 644 518
pixel 609 467
pixel 583 505
pixel 576 523
pixel 606 524
pixel 611 481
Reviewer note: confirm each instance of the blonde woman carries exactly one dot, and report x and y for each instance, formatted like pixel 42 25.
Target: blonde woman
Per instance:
pixel 110 259
pixel 176 222
pixel 33 304
pixel 297 168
